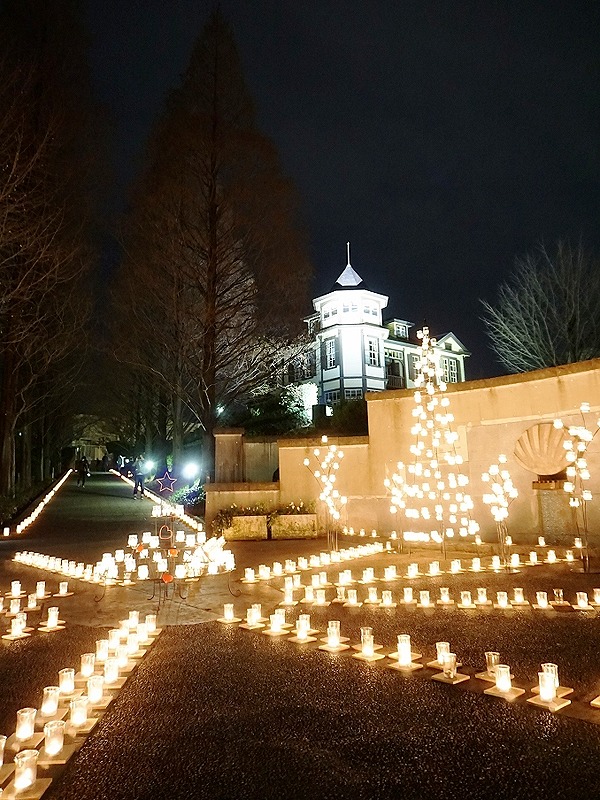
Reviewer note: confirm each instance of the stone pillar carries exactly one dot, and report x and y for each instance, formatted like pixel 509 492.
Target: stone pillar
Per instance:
pixel 229 455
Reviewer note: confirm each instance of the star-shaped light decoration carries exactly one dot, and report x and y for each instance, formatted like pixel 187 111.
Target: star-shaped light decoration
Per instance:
pixel 167 482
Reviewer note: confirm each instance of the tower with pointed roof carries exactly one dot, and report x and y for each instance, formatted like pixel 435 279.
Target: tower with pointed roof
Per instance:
pixel 354 351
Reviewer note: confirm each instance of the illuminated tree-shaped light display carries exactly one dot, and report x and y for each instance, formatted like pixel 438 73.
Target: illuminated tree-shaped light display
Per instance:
pixel 431 492
pixel 578 476
pixel 328 460
pixel 502 493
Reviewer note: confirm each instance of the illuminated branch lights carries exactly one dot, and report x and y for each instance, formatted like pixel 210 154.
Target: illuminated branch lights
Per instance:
pixel 431 489
pixel 328 463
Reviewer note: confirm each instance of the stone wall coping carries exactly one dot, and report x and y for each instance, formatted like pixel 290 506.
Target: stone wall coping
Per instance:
pixel 315 441
pixel 241 487
pixel 563 370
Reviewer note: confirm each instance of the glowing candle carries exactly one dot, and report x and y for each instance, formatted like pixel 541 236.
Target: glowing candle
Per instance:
pixel 515 561
pixel 66 680
pixel 542 599
pixel 519 596
pixel 492 659
pixel 320 601
pixel 390 573
pixel 2 745
pixel 88 663
pixel 367 644
pixel 95 688
pixel 551 669
pixel 25 724
pixel 404 650
pixel 582 600
pixel 309 594
pixel 341 593
pixel 386 598
pixel 455 565
pixel 297 582
pixel 424 598
pixel 578 543
pixel 52 617
pixel 476 565
pixel 132 540
pixel 408 594
pixel 315 581
pixel 373 594
pixel 434 568
pixel 142 632
pixel 533 559
pixel 21 620
pixel 496 564
pixel 228 612
pixel 79 707
pixel 54 736
pixel 302 563
pixel 558 595
pixel 597 596
pixel 277 569
pixel 151 623
pixel 132 644
pixel 442 649
pixel 368 575
pixel 50 697
pixel 541 541
pixel 15 588
pixel 465 598
pixel 413 570
pixel 143 572
pixel 101 650
pixel 503 681
pixel 15 606
pixel 551 557
pixel 569 555
pixel 63 587
pixel 444 594
pixel 25 769
pixel 32 601
pixel 15 627
pixel 450 665
pixel 114 638
pixel 303 626
pixel 502 599
pixel 122 656
pixel 547 687
pixel 333 633
pixel 249 576
pixel 275 620
pixel 111 670
pixel 251 616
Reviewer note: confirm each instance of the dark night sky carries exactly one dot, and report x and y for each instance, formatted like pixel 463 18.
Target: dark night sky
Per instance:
pixel 440 138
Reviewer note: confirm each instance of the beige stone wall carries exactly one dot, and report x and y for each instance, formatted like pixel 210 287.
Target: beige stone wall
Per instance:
pixel 490 416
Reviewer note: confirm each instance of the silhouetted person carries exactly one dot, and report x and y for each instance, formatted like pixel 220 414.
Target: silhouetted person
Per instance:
pixel 82 467
pixel 138 477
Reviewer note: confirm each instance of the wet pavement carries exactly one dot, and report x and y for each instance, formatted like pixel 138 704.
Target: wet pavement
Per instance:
pixel 217 711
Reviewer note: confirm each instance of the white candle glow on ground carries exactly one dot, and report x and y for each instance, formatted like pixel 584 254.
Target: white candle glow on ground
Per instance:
pixel 424 598
pixel 79 709
pixel 111 671
pixel 101 650
pixel 408 594
pixel 502 599
pixel 95 688
pixel 151 623
pixel 542 599
pixel 533 559
pixel 88 664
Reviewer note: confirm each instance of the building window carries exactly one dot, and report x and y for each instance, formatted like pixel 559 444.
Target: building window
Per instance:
pixel 413 360
pixel 334 311
pixel 450 367
pixel 354 307
pixel 329 353
pixel 326 314
pixel 394 370
pixel 374 312
pixel 345 308
pixel 353 394
pixel 366 309
pixel 332 398
pixel 373 352
pixel 400 331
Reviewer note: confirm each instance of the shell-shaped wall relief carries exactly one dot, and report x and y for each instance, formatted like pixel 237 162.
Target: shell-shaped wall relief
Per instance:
pixel 540 449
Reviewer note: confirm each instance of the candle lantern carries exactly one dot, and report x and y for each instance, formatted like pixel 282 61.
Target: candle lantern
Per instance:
pixel 341 594
pixel 79 709
pixel 66 681
pixel 95 689
pixel 465 599
pixel 533 559
pixel 372 595
pixel 320 601
pixel 408 594
pixel 596 596
pixel 25 769
pixel 413 570
pixel 114 639
pixel 424 598
pixel 476 565
pixel 63 588
pixel 333 633
pixel 386 598
pixel 2 746
pixel 32 601
pixel 434 568
pixel 445 595
pixel 134 619
pixel 25 724
pixel 542 599
pixel 15 605
pixel 541 541
pixel 15 588
pixel 122 656
pixel 450 666
pixel 228 612
pixel 582 600
pixel 501 599
pixel 442 649
pixel 101 650
pixel 315 581
pixel 54 736
pixel 53 617
pixel 133 644
pixel 88 664
pixel 50 698
pixel 111 671
pixel 496 563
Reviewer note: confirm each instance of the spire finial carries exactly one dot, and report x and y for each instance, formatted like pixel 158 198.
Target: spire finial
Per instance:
pixel 348 252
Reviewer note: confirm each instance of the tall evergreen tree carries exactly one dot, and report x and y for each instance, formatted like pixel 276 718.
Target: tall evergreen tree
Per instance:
pixel 214 281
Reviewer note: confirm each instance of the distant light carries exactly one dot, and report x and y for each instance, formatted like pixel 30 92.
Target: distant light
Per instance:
pixel 148 466
pixel 190 470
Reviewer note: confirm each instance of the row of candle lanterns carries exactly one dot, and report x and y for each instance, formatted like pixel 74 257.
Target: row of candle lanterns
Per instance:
pixel 316 594
pixel 190 557
pixel 31 518
pixel 413 570
pixel 548 693
pixel 100 674
pixel 162 508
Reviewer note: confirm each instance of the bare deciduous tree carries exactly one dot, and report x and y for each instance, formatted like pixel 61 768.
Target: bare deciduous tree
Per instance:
pixel 548 312
pixel 215 281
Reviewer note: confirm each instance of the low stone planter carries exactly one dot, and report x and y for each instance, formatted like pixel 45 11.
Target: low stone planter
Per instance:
pixel 246 528
pixel 294 526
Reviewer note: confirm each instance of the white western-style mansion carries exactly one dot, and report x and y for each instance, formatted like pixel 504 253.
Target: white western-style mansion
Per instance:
pixel 354 351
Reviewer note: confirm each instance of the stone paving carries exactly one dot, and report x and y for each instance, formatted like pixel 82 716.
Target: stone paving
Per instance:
pixel 216 711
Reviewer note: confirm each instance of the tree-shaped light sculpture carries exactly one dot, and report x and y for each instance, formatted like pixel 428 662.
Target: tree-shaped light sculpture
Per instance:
pixel 431 491
pixel 578 476
pixel 502 493
pixel 325 473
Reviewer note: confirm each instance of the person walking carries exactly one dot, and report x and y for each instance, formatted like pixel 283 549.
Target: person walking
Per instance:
pixel 138 477
pixel 82 467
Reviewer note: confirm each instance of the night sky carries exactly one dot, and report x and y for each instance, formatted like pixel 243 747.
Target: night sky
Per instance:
pixel 440 138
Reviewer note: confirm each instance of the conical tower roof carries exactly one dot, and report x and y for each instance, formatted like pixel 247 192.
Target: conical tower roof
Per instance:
pixel 349 279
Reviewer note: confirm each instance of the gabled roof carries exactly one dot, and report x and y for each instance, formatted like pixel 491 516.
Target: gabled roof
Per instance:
pixel 442 339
